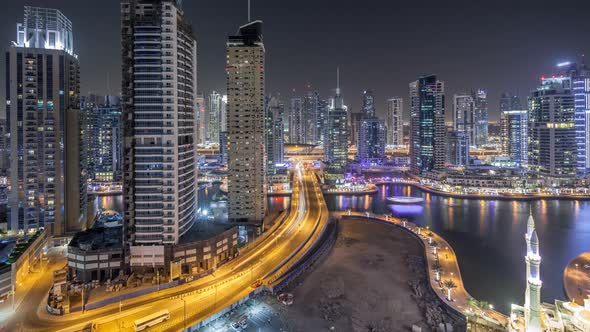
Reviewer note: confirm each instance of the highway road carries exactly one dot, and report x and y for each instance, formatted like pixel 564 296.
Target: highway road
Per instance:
pixel 193 302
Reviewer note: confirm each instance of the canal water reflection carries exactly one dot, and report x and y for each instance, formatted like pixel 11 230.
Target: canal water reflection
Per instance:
pixel 488 237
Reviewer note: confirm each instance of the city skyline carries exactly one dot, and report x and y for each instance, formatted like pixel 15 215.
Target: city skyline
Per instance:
pixel 492 57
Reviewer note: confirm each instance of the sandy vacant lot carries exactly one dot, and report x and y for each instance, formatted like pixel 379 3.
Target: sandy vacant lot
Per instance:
pixel 362 284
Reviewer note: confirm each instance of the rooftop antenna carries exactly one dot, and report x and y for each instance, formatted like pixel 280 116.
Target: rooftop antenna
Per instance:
pixel 248 10
pixel 337 79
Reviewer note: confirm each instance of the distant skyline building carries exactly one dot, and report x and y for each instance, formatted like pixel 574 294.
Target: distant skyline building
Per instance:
pixel 368 109
pixel 105 140
pixel 510 102
pixel 515 135
pixel 463 116
pixel 322 121
pixel 296 122
pixel 552 147
pixel 274 134
pixel 159 96
pixel 427 125
pixel 395 121
pixel 371 144
pixel 371 135
pixel 215 114
pixel 355 126
pixel 201 119
pixel 310 117
pixel 246 124
pixel 480 117
pixel 47 138
pixel 458 148
pixel 336 145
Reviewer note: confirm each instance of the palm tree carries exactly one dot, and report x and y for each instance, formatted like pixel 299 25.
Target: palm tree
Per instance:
pixel 449 284
pixel 437 268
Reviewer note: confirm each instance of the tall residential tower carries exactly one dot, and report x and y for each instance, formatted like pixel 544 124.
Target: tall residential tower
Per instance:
pixel 246 123
pixel 46 142
pixel 159 53
pixel 395 123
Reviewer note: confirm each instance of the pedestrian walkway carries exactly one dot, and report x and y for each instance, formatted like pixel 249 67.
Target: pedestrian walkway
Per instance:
pixel 443 270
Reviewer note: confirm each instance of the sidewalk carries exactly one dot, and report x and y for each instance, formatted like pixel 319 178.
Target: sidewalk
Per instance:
pixel 437 249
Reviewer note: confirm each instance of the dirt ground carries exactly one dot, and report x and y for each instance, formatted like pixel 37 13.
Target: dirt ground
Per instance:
pixel 361 285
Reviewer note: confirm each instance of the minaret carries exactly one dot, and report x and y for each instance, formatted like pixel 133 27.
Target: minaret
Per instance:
pixel 532 304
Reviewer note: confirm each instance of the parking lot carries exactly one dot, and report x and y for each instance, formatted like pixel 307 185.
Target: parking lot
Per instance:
pixel 255 315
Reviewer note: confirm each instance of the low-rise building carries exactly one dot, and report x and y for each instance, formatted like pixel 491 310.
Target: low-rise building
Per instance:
pixel 96 254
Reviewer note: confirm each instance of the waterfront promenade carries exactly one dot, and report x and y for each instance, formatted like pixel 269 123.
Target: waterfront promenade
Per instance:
pixel 438 250
pixel 496 194
pixel 576 278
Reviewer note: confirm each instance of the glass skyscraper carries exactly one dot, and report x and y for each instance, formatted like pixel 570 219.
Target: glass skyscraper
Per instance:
pixel 427 125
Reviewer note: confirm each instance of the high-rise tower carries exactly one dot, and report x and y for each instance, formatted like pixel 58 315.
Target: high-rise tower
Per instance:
pixel 215 105
pixel 394 123
pixel 480 117
pixel 159 89
pixel 47 140
pixel 245 124
pixel 336 145
pixel 552 134
pixel 427 125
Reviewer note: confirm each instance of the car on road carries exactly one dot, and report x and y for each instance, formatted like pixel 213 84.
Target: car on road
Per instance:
pixel 235 327
pixel 243 321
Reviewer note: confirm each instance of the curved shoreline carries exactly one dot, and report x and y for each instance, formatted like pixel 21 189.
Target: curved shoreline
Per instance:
pixel 487 197
pixel 449 263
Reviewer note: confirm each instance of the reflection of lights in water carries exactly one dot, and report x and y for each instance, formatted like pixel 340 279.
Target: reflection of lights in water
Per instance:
pixel 406 209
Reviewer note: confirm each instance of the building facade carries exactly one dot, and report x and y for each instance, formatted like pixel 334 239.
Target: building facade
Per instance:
pixel 458 148
pixel 245 124
pixel 159 129
pixel 371 133
pixel 296 122
pixel 274 134
pixel 515 135
pixel 46 141
pixel 336 145
pixel 395 121
pixel 427 125
pixel 463 112
pixel 215 116
pixel 552 146
pixel 480 117
pixel 105 140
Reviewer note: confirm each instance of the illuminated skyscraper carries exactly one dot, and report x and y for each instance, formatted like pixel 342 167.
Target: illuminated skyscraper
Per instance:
pixel 427 125
pixel 336 145
pixel 552 147
pixel 246 124
pixel 296 122
pixel 580 76
pixel 310 117
pixel 105 140
pixel 480 117
pixel 463 112
pixel 515 135
pixel 274 133
pixel 47 148
pixel 215 110
pixel 371 136
pixel 395 122
pixel 160 129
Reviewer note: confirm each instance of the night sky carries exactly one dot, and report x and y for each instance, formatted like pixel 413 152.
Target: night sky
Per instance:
pixel 379 44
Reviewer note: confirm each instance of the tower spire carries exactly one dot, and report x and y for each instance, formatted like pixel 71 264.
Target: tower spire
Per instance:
pixel 248 10
pixel 338 80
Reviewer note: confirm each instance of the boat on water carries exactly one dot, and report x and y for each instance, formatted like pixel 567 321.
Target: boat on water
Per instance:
pixel 405 199
pixel 109 218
